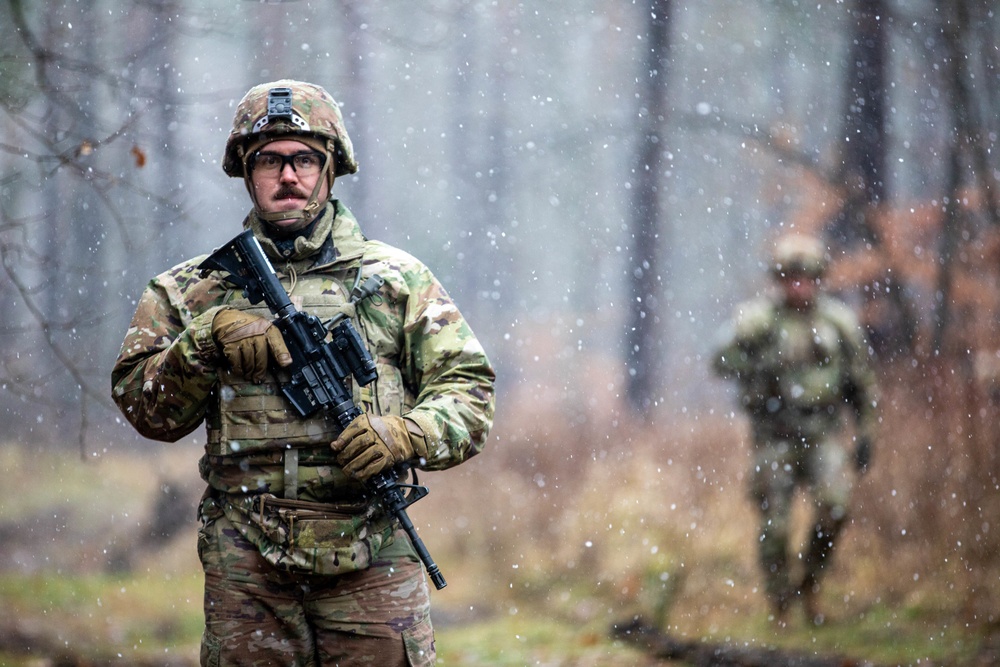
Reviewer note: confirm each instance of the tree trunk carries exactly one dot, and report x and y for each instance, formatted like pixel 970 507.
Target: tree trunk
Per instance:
pixel 864 145
pixel 953 29
pixel 644 354
pixel 466 152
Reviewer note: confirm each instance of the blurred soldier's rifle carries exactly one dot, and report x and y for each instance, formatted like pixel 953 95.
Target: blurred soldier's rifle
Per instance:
pixel 319 367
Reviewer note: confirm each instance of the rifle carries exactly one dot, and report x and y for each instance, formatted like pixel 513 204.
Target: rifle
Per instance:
pixel 319 367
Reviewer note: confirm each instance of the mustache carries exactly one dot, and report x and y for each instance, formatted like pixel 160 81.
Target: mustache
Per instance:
pixel 289 191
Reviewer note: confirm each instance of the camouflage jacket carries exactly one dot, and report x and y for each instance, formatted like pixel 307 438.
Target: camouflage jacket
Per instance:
pixel 795 368
pixel 170 377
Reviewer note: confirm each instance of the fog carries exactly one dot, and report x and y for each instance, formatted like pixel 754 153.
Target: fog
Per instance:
pixel 597 184
pixel 497 142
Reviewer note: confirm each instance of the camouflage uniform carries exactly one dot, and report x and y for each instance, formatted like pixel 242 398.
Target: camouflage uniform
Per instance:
pixel 797 370
pixel 324 578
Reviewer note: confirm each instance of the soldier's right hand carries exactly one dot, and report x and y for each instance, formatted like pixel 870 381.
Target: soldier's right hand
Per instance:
pixel 863 454
pixel 248 341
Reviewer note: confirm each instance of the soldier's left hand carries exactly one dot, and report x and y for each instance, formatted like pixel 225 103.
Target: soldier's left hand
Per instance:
pixel 863 454
pixel 371 445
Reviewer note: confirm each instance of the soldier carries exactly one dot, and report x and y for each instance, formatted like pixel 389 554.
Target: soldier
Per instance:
pixel 799 358
pixel 300 567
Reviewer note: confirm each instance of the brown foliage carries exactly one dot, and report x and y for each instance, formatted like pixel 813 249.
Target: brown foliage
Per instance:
pixel 585 510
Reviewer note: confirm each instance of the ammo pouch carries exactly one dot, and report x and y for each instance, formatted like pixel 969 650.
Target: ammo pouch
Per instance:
pixel 304 537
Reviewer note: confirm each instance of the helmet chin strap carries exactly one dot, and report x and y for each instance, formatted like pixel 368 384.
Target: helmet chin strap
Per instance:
pixel 310 211
pixel 313 204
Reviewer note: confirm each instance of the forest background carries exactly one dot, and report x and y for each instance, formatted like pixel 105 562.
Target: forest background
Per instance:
pixel 597 184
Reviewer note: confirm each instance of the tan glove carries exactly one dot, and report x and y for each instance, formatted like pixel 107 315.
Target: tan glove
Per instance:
pixel 248 341
pixel 370 445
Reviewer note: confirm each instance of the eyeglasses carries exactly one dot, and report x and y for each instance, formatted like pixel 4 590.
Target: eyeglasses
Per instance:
pixel 307 163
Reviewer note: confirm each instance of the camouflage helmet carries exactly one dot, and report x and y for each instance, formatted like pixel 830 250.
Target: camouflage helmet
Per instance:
pixel 797 253
pixel 282 108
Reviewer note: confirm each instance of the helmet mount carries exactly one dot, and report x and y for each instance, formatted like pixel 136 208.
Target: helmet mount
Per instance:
pixel 279 108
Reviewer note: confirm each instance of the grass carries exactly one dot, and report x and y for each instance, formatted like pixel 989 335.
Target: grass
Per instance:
pixel 142 616
pixel 138 618
pixel 531 639
pixel 543 550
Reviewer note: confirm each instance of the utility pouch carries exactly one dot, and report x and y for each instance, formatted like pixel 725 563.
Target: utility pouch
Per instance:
pixel 304 537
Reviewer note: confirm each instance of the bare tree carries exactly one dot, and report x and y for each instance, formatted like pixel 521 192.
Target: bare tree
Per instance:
pixel 864 146
pixel 863 175
pixel 464 163
pixel 968 154
pixel 69 130
pixel 644 351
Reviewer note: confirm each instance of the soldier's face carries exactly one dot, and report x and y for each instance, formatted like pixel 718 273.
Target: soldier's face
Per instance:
pixel 287 189
pixel 800 289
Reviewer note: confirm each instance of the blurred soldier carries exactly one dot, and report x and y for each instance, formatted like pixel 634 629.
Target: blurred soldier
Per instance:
pixel 799 358
pixel 300 568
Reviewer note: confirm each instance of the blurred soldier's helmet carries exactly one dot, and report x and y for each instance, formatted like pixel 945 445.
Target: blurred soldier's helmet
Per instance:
pixel 797 253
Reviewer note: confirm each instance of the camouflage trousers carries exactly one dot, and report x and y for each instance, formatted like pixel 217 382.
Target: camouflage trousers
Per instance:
pixel 258 615
pixel 821 467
